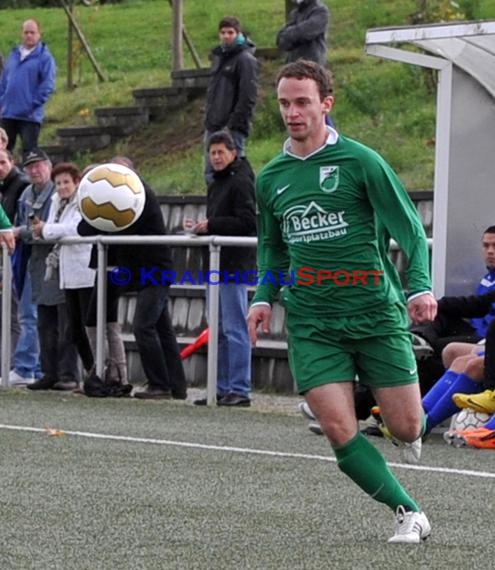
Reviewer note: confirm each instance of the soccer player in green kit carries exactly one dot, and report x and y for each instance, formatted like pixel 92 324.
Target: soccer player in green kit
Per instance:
pixel 324 203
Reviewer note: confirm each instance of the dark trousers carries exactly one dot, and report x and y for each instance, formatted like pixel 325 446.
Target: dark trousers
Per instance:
pixel 77 302
pixel 156 341
pixel 58 353
pixel 113 292
pixel 27 130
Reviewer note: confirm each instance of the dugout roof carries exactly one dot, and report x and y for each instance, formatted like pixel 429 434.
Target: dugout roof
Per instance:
pixel 464 189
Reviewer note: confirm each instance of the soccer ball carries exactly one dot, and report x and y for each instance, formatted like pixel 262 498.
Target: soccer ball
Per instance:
pixel 111 197
pixel 468 419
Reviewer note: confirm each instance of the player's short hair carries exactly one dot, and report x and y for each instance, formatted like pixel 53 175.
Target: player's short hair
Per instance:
pixel 489 230
pixel 306 69
pixel 230 22
pixel 222 137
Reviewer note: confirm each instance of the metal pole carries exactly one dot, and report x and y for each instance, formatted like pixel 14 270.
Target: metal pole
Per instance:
pixel 213 303
pixel 83 41
pixel 6 314
pixel 188 41
pixel 70 50
pixel 177 51
pixel 101 303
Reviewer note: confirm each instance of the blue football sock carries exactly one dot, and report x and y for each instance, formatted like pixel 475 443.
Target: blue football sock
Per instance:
pixel 445 407
pixel 438 389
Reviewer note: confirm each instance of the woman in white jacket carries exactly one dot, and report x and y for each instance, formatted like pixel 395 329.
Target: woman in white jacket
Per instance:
pixel 69 263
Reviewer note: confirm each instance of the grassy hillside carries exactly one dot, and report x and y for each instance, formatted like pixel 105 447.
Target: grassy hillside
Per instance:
pixel 384 104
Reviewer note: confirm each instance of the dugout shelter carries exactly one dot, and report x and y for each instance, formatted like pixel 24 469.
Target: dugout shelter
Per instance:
pixel 463 54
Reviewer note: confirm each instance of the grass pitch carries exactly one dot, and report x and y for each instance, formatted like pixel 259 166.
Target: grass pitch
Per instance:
pixel 104 484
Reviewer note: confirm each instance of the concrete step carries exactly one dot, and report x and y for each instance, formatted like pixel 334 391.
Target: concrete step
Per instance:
pixel 58 153
pixel 270 53
pixel 124 120
pixel 193 79
pixel 160 100
pixel 86 137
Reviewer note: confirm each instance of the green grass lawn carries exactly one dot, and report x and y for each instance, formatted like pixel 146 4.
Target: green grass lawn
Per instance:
pixel 386 105
pixel 133 485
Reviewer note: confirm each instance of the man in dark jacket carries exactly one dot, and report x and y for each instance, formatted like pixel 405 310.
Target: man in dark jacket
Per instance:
pixel 230 210
pixel 232 92
pixel 304 35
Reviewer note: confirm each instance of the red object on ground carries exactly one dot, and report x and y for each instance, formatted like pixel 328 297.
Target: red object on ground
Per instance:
pixel 193 347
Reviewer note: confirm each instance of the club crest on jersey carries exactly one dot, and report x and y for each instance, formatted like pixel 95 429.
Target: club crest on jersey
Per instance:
pixel 329 178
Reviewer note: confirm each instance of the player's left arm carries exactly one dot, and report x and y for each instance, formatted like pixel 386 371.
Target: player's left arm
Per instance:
pixel 398 214
pixel 422 308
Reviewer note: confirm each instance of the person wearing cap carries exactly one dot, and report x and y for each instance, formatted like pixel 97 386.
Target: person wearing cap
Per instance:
pixel 233 89
pixel 57 352
pixel 26 84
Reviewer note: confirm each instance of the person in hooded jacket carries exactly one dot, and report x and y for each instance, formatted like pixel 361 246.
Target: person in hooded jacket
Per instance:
pixel 233 88
pixel 305 33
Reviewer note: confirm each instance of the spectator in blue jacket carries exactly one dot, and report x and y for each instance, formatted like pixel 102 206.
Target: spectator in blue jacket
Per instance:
pixel 26 83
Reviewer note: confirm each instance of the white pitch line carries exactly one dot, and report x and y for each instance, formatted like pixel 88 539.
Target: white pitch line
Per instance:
pixel 247 450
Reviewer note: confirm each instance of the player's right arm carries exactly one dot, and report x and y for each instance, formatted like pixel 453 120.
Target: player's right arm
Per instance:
pixel 272 260
pixel 272 255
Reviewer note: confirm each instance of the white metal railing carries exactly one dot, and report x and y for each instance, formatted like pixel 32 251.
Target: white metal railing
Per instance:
pixel 214 243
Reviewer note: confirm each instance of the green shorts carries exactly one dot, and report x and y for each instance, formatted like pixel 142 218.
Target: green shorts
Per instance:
pixel 375 347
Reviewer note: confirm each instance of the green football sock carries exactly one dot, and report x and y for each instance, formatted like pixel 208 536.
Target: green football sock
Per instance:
pixel 365 465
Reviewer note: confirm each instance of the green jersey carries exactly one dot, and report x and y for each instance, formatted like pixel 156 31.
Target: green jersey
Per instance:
pixel 321 226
